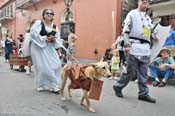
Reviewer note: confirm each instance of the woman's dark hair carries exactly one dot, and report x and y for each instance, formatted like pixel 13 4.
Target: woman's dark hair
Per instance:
pixel 108 50
pixel 44 11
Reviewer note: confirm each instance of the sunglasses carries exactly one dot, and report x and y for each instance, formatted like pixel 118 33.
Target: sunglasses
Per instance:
pixel 144 0
pixel 48 13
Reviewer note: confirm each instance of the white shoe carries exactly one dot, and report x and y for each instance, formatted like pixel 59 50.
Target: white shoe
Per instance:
pixel 54 89
pixel 27 71
pixel 115 78
pixel 110 78
pixel 40 89
pixel 7 61
pixel 43 88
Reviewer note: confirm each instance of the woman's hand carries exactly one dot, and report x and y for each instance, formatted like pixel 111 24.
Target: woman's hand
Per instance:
pixel 51 38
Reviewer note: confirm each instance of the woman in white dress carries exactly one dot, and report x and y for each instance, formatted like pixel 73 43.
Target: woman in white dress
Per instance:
pixel 45 39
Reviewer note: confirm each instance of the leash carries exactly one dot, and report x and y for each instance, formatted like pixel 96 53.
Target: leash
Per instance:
pixel 68 53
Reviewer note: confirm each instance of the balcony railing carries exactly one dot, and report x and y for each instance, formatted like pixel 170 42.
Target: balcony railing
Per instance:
pixel 5 18
pixel 25 3
pixel 7 13
pixel 162 7
pixel 158 1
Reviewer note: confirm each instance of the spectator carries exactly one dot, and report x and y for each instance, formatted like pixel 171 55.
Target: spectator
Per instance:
pixel 8 47
pixel 107 56
pixel 162 66
pixel 20 41
pixel 115 65
pixel 71 41
pixel 170 40
pixel 45 38
pixel 2 46
pixel 119 45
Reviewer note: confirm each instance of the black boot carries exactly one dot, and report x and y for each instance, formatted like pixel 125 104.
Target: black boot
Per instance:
pixel 147 99
pixel 118 91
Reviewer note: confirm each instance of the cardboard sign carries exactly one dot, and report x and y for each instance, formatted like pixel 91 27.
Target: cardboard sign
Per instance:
pixel 162 35
pixel 95 90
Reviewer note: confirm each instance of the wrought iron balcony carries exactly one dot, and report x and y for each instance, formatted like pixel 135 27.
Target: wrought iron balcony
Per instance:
pixel 158 1
pixel 161 3
pixel 25 3
pixel 162 7
pixel 4 19
pixel 7 13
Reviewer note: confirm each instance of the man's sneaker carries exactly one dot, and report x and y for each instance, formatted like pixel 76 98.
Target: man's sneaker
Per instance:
pixel 162 84
pixel 147 99
pixel 118 91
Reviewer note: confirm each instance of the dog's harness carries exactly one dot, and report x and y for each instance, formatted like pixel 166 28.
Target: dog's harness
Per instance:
pixel 76 72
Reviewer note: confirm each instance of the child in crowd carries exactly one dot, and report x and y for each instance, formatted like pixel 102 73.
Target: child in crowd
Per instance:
pixel 107 56
pixel 115 64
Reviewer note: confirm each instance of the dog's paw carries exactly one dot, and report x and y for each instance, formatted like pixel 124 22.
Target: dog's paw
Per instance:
pixel 91 109
pixel 63 99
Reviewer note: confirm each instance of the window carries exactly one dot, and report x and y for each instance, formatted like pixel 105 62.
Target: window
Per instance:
pixel 11 11
pixel 167 20
pixel 7 12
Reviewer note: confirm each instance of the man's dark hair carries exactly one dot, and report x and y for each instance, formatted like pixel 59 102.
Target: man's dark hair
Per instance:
pixel 20 35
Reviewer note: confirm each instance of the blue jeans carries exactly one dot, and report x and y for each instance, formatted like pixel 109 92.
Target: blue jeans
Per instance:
pixel 136 69
pixel 156 72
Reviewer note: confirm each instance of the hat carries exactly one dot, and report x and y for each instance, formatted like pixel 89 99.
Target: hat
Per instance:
pixel 165 49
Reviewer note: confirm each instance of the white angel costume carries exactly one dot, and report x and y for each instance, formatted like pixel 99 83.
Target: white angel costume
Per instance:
pixel 44 56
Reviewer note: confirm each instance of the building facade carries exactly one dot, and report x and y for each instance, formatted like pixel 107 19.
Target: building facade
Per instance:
pixel 165 10
pixel 97 22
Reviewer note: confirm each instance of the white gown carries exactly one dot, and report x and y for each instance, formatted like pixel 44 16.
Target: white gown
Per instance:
pixel 45 58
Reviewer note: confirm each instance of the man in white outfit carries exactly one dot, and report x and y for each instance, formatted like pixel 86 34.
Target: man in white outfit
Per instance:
pixel 137 32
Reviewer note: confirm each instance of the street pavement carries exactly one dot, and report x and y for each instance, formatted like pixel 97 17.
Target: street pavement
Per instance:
pixel 18 97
